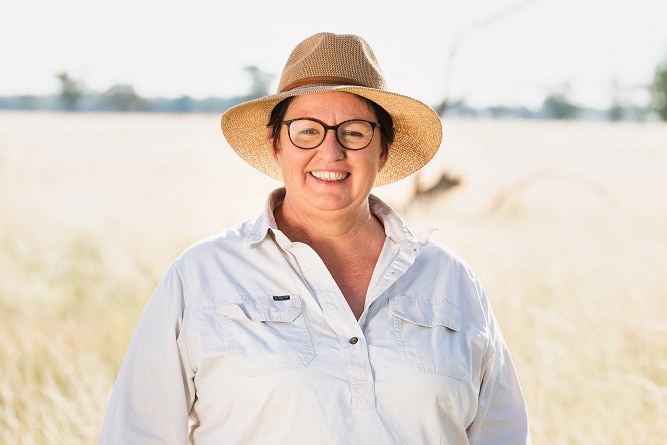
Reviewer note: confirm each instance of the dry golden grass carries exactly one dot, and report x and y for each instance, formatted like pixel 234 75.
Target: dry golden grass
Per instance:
pixel 566 224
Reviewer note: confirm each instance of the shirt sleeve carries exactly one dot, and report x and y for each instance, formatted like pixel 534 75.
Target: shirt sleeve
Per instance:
pixel 154 390
pixel 501 417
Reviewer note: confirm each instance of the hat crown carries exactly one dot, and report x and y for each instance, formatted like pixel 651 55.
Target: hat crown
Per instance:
pixel 327 58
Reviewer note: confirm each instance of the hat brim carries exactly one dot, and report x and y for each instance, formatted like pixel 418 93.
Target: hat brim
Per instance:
pixel 418 130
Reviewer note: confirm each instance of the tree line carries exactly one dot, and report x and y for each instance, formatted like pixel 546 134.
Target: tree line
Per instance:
pixel 74 96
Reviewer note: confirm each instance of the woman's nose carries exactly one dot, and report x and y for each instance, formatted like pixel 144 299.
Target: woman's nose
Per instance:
pixel 330 148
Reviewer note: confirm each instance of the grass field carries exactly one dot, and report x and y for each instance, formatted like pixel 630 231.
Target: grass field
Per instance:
pixel 566 224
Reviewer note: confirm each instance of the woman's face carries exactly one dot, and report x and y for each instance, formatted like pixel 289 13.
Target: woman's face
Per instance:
pixel 328 177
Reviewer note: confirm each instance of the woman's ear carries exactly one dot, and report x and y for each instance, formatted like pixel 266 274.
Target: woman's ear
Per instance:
pixel 273 143
pixel 384 155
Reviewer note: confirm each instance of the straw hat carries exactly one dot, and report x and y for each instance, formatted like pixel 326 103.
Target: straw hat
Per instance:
pixel 332 62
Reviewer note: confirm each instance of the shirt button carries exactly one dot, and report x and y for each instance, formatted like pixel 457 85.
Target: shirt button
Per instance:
pixel 354 340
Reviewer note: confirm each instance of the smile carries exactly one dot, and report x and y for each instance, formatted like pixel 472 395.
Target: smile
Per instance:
pixel 329 176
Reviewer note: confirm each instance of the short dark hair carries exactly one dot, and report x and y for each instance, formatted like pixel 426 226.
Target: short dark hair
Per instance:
pixel 384 119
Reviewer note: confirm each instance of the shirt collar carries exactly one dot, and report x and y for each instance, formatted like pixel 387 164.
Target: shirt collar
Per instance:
pixel 395 228
pixel 265 222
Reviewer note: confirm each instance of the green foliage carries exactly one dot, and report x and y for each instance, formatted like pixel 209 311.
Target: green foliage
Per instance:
pixel 558 106
pixel 260 81
pixel 659 90
pixel 123 98
pixel 71 91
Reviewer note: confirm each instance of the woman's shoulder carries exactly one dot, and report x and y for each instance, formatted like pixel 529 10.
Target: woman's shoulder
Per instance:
pixel 442 253
pixel 230 240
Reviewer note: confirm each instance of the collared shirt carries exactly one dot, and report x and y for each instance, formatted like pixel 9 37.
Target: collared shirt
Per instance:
pixel 248 340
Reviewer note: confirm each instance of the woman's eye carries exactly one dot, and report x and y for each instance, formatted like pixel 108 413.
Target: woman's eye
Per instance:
pixel 353 134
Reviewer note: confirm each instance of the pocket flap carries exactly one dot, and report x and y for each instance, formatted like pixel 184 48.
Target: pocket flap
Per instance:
pixel 264 309
pixel 428 313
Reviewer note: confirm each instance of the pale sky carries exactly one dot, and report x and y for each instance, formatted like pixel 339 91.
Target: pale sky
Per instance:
pixel 199 47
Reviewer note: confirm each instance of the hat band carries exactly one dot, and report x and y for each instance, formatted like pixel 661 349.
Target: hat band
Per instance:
pixel 320 80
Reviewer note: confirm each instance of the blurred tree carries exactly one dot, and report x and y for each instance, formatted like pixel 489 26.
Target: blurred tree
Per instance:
pixel 71 91
pixel 183 104
pixel 121 97
pixel 659 90
pixel 482 21
pixel 557 105
pixel 260 81
pixel 616 111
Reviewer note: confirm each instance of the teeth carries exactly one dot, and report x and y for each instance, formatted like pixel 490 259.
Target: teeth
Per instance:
pixel 329 176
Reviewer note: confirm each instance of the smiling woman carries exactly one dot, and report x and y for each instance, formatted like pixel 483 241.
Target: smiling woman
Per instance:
pixel 326 319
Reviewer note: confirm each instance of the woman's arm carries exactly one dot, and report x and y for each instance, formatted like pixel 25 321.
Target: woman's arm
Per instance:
pixel 154 391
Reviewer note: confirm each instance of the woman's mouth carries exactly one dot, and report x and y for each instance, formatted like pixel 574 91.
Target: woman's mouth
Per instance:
pixel 329 176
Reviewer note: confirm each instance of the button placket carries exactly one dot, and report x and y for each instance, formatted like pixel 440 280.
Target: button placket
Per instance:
pixel 342 321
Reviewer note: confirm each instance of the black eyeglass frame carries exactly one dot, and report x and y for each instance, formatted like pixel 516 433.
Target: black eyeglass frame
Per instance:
pixel 330 127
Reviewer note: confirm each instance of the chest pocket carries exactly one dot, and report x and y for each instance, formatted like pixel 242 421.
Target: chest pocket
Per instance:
pixel 267 334
pixel 428 335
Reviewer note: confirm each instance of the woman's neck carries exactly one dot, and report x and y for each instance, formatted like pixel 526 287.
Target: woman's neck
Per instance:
pixel 348 245
pixel 340 227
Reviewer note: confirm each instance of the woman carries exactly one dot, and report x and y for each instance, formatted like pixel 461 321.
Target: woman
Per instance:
pixel 325 320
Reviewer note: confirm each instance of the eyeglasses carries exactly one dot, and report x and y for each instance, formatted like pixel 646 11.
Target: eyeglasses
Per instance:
pixel 309 133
